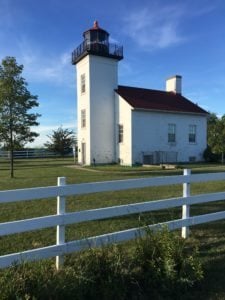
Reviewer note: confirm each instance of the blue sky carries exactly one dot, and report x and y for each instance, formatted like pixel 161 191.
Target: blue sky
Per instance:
pixel 160 38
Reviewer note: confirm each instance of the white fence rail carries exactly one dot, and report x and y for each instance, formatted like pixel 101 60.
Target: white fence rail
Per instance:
pixel 61 219
pixel 31 153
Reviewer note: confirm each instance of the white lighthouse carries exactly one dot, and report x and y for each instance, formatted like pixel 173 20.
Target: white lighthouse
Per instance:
pixel 96 63
pixel 131 125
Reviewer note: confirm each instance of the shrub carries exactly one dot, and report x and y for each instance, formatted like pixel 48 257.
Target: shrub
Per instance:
pixel 160 265
pixel 209 156
pixel 166 265
pixel 103 273
pixel 34 281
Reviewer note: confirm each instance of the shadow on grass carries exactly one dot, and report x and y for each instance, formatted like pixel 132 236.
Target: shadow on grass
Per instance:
pixel 212 286
pixel 212 254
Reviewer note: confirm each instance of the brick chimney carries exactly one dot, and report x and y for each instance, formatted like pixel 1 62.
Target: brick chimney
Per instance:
pixel 173 84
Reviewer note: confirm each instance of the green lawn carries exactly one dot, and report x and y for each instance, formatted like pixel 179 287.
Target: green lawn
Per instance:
pixel 44 172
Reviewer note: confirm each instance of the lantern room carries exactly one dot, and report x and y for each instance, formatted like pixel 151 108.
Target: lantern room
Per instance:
pixel 96 42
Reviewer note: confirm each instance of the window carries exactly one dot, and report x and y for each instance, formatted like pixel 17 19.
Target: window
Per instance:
pixel 192 134
pixel 83 118
pixel 120 131
pixel 82 80
pixel 171 133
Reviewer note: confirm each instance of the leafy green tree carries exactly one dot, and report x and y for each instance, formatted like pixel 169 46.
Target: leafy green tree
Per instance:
pixel 216 134
pixel 15 103
pixel 61 141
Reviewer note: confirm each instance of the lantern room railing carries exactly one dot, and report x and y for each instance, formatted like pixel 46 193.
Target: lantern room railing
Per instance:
pixel 97 48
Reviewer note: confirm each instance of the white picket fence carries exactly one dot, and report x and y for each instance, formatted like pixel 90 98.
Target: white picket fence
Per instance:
pixel 61 219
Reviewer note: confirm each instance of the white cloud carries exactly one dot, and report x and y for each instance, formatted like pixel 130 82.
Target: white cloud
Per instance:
pixel 42 129
pixel 159 24
pixel 113 40
pixel 39 67
pixel 56 70
pixel 155 27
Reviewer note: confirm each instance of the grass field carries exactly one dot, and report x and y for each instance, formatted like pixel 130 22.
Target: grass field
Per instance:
pixel 44 172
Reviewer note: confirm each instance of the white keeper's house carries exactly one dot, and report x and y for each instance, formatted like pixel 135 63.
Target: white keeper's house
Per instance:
pixel 131 125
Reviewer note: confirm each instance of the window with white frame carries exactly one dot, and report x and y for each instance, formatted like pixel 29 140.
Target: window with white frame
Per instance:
pixel 171 133
pixel 120 133
pixel 82 81
pixel 192 134
pixel 83 118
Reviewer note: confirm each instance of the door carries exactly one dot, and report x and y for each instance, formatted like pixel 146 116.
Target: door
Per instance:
pixel 83 153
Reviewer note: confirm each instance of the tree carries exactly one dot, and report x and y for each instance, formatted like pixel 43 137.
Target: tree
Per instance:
pixel 15 103
pixel 61 141
pixel 216 134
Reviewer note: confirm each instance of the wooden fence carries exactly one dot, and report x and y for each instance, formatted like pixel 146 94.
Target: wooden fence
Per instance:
pixel 62 218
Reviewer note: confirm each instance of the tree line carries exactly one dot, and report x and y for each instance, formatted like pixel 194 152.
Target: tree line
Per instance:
pixel 17 116
pixel 215 138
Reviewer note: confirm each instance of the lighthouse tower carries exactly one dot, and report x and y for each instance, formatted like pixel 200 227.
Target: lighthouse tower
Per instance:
pixel 96 63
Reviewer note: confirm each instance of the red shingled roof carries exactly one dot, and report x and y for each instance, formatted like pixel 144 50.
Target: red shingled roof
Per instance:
pixel 140 98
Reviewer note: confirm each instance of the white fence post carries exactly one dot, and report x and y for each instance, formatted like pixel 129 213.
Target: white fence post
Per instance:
pixel 60 231
pixel 186 208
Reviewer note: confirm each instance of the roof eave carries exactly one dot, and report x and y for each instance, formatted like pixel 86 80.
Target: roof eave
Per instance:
pixel 169 111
